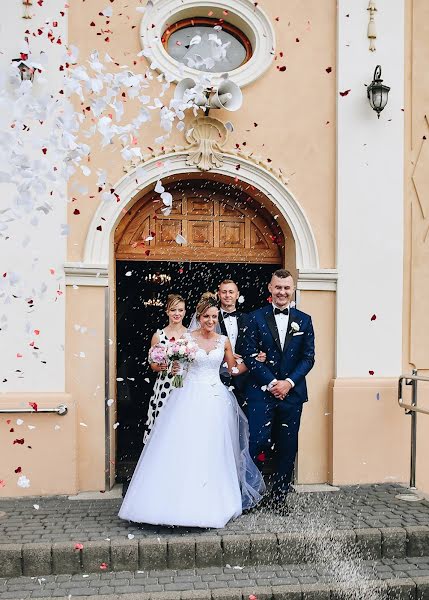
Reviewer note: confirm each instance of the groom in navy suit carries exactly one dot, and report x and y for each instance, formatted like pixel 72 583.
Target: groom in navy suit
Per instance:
pixel 276 389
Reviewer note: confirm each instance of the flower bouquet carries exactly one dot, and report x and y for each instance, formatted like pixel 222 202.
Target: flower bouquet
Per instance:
pixel 183 351
pixel 158 356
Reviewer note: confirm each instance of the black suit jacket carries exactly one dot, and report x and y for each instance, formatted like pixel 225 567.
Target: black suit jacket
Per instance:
pixel 238 381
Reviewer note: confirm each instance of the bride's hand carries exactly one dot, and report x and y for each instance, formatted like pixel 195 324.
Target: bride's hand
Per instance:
pixel 175 369
pixel 262 357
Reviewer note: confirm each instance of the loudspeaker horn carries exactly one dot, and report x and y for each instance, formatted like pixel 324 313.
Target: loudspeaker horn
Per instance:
pixel 228 96
pixel 187 84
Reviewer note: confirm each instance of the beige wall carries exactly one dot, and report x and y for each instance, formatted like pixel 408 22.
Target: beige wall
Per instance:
pixel 416 214
pixel 314 442
pixel 85 380
pixel 48 455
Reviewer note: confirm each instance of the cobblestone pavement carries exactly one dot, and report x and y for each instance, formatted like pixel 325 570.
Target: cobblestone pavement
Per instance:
pixel 210 578
pixel 353 507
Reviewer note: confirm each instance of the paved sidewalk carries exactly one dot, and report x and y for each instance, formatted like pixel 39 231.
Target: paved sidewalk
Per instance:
pixel 352 507
pixel 173 582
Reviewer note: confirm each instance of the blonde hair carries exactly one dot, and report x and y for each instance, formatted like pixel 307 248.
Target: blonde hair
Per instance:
pixel 207 300
pixel 172 300
pixel 227 282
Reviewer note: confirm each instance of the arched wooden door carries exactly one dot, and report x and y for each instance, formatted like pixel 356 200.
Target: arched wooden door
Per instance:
pixel 219 222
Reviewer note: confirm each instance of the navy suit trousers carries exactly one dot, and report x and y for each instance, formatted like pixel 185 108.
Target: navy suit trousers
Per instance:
pixel 263 410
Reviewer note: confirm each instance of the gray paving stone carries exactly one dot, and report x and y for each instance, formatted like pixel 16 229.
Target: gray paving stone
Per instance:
pixel 418 540
pixel 36 559
pixel 195 595
pixel 124 554
pixel 94 554
pixel 400 590
pixel 65 558
pixel 208 551
pixel 10 560
pixel 236 550
pixel 368 542
pixel 316 591
pixel 290 592
pixel 262 593
pixel 152 554
pixel 422 584
pixel 393 542
pixel 180 552
pixel 264 548
pixel 226 594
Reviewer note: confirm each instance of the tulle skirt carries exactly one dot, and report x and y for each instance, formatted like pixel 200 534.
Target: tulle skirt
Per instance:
pixel 195 469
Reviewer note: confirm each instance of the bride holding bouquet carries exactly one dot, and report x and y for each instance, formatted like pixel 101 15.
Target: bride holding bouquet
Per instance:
pixel 195 469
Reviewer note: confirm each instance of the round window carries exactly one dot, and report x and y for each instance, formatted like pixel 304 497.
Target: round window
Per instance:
pixel 207 45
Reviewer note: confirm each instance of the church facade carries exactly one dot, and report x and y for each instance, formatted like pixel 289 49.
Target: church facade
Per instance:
pixel 291 166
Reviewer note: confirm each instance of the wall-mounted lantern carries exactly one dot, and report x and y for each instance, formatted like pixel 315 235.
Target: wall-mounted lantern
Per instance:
pixel 26 72
pixel 377 92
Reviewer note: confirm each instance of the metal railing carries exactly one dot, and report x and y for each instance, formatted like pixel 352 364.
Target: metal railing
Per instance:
pixel 61 410
pixel 412 409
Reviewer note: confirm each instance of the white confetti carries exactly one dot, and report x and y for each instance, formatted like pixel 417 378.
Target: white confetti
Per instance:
pixel 23 482
pixel 130 536
pixel 19 421
pixel 180 239
pixel 36 506
pixel 115 425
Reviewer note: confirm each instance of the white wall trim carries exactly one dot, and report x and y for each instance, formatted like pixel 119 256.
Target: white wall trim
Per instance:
pixel 242 13
pixel 86 275
pixel 97 245
pixel 317 280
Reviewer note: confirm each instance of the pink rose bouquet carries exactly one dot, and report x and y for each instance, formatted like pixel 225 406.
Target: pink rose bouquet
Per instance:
pixel 158 356
pixel 183 351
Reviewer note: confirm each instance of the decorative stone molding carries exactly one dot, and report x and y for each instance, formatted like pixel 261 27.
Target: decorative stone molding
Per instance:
pixel 249 170
pixel 372 32
pixel 244 14
pixel 206 137
pixel 317 279
pixel 90 275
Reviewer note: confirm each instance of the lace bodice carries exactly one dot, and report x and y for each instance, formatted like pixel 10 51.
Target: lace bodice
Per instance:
pixel 206 364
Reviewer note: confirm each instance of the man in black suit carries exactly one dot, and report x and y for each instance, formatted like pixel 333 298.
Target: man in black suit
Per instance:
pixel 232 323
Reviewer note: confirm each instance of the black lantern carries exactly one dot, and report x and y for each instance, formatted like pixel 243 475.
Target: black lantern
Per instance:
pixel 377 92
pixel 26 72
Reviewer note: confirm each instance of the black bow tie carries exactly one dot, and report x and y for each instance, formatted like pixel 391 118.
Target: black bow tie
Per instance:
pixel 278 311
pixel 229 314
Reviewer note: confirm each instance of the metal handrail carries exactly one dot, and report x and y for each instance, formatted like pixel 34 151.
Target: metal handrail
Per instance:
pixel 61 410
pixel 412 409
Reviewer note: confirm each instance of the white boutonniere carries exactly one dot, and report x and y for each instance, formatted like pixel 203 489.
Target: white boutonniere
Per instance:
pixel 294 326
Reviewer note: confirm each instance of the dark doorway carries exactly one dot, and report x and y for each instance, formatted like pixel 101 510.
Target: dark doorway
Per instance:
pixel 141 291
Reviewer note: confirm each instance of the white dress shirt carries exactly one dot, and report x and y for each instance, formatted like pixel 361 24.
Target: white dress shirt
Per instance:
pixel 282 322
pixel 231 327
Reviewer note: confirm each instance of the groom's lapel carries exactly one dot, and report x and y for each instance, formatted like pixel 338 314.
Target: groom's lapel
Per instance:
pixel 289 333
pixel 222 324
pixel 271 322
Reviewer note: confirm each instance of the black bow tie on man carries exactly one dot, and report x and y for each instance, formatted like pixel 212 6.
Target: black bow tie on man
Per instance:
pixel 226 314
pixel 279 311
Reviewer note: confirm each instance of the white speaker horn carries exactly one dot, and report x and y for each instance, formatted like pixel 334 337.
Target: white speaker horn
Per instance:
pixel 187 84
pixel 228 96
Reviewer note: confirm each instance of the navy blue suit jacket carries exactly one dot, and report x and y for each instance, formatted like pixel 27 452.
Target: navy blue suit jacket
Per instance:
pixel 293 362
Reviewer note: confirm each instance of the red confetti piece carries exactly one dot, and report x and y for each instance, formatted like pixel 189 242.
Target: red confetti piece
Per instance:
pixel 328 69
pixel 296 39
pixel 18 441
pixel 76 211
pixel 99 228
pixel 2 483
pixel 261 456
pixel 373 317
pixel 345 93
pixel 371 372
pixel 18 470
pixel 78 546
pixel 36 331
pixel 103 566
pixel 18 355
pixel 44 150
pixel 253 597
pixel 33 406
pixel 269 299
pixel 282 69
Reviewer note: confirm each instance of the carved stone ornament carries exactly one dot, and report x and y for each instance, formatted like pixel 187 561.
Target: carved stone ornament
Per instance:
pixel 372 32
pixel 206 137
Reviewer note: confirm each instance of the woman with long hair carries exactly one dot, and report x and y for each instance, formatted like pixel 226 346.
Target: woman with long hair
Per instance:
pixel 175 309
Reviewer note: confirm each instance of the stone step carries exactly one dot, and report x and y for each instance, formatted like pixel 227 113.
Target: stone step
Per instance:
pixel 210 549
pixel 346 579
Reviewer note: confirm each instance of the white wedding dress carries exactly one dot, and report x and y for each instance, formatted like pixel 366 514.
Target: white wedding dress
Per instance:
pixel 195 469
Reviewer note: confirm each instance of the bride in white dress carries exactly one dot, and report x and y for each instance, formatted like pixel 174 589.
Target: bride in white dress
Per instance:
pixel 196 470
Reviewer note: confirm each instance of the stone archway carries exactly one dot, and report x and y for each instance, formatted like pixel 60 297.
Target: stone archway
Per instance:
pixel 235 167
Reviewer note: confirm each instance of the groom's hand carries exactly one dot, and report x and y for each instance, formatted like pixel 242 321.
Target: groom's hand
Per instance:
pixel 281 389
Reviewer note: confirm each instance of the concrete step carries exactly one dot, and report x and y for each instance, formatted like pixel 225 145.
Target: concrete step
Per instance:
pixel 345 579
pixel 210 549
